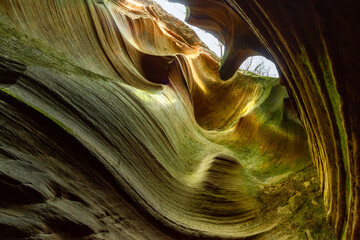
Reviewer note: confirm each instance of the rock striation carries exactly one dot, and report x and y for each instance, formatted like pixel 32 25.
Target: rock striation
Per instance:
pixel 115 122
pixel 314 44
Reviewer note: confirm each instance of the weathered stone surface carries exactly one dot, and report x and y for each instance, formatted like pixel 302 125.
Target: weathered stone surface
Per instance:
pixel 115 124
pixel 315 45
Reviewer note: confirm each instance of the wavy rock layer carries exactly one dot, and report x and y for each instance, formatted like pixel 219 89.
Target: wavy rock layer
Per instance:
pixel 115 124
pixel 315 45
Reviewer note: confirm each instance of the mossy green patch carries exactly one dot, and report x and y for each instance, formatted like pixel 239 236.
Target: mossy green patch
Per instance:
pixel 34 52
pixel 7 91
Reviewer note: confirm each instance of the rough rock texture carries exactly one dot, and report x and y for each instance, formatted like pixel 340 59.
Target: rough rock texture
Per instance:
pixel 115 124
pixel 315 44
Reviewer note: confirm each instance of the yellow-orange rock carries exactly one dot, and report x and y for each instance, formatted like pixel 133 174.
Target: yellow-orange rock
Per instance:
pixel 115 124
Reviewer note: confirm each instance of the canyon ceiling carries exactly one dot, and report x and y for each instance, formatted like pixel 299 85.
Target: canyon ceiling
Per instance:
pixel 117 122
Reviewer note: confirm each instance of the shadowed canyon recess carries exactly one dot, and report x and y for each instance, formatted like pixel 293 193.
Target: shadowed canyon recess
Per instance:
pixel 117 122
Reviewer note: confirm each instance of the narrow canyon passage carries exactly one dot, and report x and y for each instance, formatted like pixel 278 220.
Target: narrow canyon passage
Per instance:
pixel 118 122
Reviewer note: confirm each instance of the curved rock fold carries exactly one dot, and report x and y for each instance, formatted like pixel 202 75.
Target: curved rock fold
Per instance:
pixel 115 123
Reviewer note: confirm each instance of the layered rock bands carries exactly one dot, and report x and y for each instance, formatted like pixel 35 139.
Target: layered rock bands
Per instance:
pixel 116 121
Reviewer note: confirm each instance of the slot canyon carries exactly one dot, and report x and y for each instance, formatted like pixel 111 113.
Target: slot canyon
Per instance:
pixel 118 122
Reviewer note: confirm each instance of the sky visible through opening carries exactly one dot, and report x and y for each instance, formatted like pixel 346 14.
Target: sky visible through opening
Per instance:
pixel 179 11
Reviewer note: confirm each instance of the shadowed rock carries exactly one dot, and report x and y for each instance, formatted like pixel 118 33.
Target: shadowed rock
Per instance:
pixel 116 122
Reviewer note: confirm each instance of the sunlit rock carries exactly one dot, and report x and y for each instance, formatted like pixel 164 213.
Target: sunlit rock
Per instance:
pixel 115 123
pixel 313 44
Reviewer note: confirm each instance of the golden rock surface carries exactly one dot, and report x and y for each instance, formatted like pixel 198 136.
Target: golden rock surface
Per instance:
pixel 116 124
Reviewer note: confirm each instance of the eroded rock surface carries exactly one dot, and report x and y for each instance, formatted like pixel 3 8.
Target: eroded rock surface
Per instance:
pixel 115 124
pixel 315 45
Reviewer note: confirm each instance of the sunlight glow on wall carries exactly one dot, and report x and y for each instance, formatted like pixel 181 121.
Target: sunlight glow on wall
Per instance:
pixel 179 11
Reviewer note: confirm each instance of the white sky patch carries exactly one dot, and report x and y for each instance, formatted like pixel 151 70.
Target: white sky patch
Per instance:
pixel 179 11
